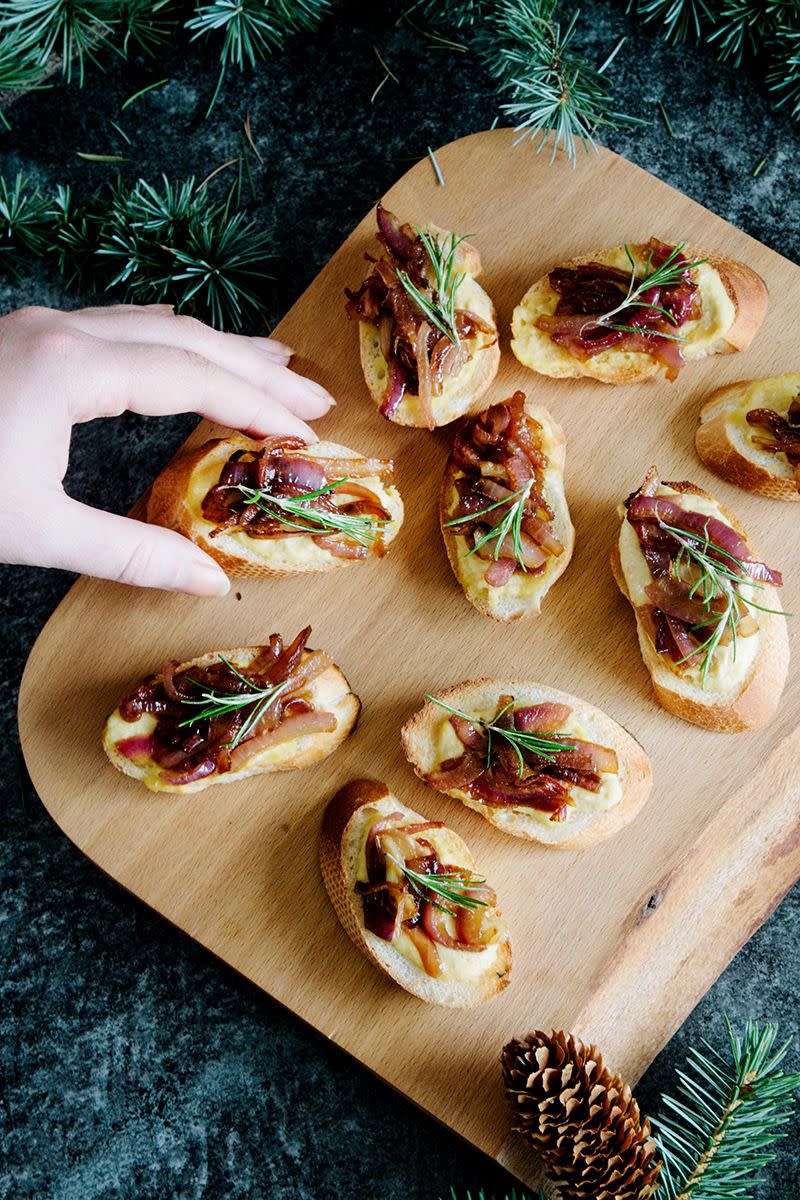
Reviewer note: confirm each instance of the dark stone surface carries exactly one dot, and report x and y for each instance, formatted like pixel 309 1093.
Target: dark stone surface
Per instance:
pixel 133 1065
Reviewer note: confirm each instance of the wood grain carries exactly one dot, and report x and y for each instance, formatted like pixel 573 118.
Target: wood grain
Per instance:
pixel 617 942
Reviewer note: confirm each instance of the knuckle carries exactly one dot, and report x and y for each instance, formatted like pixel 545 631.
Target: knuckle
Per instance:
pixel 141 563
pixel 56 342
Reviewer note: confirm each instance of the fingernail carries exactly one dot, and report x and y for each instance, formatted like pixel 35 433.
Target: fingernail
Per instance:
pixel 272 345
pixel 203 579
pixel 318 390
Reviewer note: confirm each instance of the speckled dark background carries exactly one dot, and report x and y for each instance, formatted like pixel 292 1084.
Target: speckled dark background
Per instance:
pixel 132 1064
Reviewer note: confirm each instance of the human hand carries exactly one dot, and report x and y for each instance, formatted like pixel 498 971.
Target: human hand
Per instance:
pixel 59 369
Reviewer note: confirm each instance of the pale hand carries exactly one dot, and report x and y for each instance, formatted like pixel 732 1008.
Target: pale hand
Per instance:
pixel 59 369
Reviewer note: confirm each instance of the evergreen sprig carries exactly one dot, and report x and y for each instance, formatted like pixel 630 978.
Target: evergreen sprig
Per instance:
pixel 173 245
pixel 252 28
pixel 25 226
pixel 34 33
pixel 169 244
pixel 481 1195
pixel 726 1116
pixel 548 86
pixel 766 32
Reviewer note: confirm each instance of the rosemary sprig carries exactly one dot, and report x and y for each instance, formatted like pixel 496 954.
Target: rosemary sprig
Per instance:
pixel 439 306
pixel 715 581
pixel 510 523
pixel 519 739
pixel 294 512
pixel 222 704
pixel 454 887
pixel 667 274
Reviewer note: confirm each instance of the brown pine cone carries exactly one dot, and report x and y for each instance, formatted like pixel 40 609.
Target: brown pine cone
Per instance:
pixel 583 1121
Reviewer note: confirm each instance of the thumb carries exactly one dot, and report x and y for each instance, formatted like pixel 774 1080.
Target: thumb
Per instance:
pixel 98 543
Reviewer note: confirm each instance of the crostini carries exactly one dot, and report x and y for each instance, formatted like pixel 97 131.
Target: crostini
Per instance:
pixel 407 892
pixel 709 619
pixel 231 714
pixel 279 506
pixel 427 331
pixel 503 512
pixel 535 762
pixel 749 434
pixel 636 312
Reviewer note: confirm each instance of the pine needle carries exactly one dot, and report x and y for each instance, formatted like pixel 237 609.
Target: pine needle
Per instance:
pixel 100 158
pixel 142 92
pixel 436 168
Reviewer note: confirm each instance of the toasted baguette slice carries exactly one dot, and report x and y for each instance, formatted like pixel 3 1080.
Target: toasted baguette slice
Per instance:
pixel 745 695
pixel 329 692
pixel 725 441
pixel 177 494
pixel 734 304
pixel 522 596
pixel 468 978
pixel 429 740
pixel 461 393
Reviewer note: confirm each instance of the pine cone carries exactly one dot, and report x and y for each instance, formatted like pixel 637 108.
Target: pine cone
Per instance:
pixel 583 1121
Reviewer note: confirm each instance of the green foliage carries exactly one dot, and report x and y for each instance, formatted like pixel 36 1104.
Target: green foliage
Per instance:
pixel 24 225
pixel 171 245
pixel 73 29
pixel 76 30
pixel 766 32
pixel 253 28
pixel 547 84
pixel 727 1114
pixel 681 19
pixel 455 12
pixel 175 246
pixel 481 1195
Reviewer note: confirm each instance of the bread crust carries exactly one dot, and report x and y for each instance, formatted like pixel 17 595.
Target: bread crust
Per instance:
pixel 635 773
pixel 330 684
pixel 746 290
pixel 758 697
pixel 511 609
pixel 457 399
pixel 340 842
pixel 716 447
pixel 168 506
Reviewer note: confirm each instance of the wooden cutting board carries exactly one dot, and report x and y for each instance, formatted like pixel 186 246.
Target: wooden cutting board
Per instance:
pixel 617 942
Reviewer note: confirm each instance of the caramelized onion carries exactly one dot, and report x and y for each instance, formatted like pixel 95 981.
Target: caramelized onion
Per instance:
pixel 431 962
pixel 547 717
pixel 500 571
pixel 207 767
pixel 434 924
pixel 424 370
pixel 302 725
pixel 137 747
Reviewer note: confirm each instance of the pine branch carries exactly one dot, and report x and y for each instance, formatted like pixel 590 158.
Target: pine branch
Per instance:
pixel 252 28
pixel 455 12
pixel 725 1117
pixel 174 246
pixel 73 29
pixel 171 245
pixel 766 32
pixel 550 87
pixel 682 19
pixel 25 222
pixel 481 1195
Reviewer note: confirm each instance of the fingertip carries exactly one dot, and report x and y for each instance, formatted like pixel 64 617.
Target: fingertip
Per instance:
pixel 204 578
pixel 278 351
pixel 283 423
